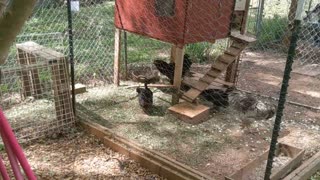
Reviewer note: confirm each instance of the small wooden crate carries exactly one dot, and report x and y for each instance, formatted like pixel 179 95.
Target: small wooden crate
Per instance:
pixel 295 153
pixel 190 113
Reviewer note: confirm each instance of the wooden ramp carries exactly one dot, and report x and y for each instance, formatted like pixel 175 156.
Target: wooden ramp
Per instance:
pixel 239 43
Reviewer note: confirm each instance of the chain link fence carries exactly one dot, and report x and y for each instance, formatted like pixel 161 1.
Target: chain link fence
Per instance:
pixel 44 106
pixel 263 63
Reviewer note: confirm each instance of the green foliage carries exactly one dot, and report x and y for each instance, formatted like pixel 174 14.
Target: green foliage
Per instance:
pixel 1 147
pixel 199 51
pixel 316 176
pixel 273 29
pixel 4 88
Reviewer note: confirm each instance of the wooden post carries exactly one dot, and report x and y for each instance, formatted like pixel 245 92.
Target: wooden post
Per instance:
pixel 35 77
pixel 173 53
pixel 117 57
pixel 177 73
pixel 125 39
pixel 231 73
pixel 26 83
pixel 30 78
pixel 245 18
pixel 61 87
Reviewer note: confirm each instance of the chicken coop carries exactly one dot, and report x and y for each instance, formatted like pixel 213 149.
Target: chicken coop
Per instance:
pixel 182 22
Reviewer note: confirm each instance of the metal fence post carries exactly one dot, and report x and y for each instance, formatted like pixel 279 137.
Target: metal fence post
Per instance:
pixel 71 54
pixel 284 88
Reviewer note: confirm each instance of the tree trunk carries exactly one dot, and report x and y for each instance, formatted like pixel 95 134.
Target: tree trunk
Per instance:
pixel 11 23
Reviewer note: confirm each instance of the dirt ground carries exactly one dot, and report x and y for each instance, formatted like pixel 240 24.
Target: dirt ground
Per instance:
pixel 262 73
pixel 217 147
pixel 78 155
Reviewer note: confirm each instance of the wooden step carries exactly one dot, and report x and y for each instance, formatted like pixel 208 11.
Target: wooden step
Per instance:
pixel 226 58
pixel 233 51
pixel 195 84
pixel 191 95
pixel 240 37
pixel 213 73
pixel 208 79
pixel 220 65
pixel 238 45
pixel 190 113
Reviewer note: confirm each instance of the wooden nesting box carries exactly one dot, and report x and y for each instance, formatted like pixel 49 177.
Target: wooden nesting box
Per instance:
pixel 294 153
pixel 190 113
pixel 176 21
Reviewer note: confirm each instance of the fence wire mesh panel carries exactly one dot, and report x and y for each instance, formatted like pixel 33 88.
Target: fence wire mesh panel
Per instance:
pixel 150 38
pixel 263 63
pixel 175 61
pixel 34 85
pixel 94 42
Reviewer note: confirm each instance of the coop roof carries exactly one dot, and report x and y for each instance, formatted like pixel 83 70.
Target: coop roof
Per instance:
pixel 175 21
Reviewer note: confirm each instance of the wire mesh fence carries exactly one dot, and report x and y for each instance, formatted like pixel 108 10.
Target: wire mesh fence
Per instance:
pixel 34 86
pixel 148 56
pixel 35 94
pixel 263 63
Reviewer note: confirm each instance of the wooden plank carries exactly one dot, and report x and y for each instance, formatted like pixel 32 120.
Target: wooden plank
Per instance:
pixel 295 153
pixel 214 73
pixel 191 95
pixel 152 86
pixel 197 76
pixel 243 29
pixel 79 88
pixel 231 74
pixel 177 73
pixel 233 51
pixel 306 170
pixel 155 161
pixel 297 156
pixel 61 87
pixel 238 45
pixel 173 53
pixel 190 113
pixel 36 84
pixel 226 58
pixel 117 57
pixel 38 50
pixel 208 79
pixel 220 65
pixel 195 83
pixel 26 81
pixel 220 81
pixel 243 38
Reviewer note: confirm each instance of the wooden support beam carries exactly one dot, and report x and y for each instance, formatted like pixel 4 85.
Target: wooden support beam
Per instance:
pixel 154 161
pixel 243 29
pixel 26 83
pixel 231 74
pixel 173 53
pixel 177 73
pixel 117 57
pixel 152 86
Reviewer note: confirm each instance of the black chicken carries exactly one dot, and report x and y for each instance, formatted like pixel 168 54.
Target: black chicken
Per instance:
pixel 217 96
pixel 145 96
pixel 167 69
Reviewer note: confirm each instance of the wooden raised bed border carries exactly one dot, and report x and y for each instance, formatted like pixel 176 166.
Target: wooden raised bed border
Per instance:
pixel 295 153
pixel 156 162
pixel 306 170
